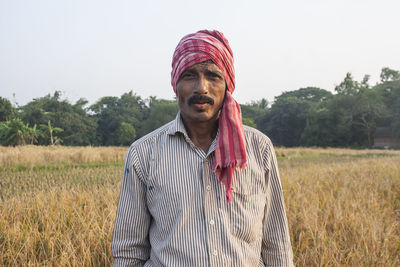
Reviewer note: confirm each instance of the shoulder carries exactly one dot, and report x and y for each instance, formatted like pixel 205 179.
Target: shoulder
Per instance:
pixel 140 152
pixel 255 138
pixel 259 147
pixel 151 137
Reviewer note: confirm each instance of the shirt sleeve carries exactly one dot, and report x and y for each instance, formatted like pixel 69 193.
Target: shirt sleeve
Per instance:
pixel 130 244
pixel 276 248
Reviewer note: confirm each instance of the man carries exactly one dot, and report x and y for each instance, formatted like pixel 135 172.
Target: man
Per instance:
pixel 202 190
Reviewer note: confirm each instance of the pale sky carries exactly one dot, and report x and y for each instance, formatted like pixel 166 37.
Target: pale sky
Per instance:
pixel 98 48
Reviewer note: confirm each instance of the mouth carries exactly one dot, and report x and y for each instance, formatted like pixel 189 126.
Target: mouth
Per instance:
pixel 200 101
pixel 200 106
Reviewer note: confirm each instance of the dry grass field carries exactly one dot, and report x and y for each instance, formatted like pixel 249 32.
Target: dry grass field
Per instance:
pixel 57 205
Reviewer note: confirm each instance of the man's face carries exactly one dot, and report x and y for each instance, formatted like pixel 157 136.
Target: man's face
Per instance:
pixel 200 91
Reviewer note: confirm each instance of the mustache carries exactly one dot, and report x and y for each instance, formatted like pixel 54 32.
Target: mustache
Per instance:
pixel 200 99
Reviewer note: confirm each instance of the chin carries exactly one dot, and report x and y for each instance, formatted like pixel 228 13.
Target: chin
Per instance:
pixel 199 115
pixel 198 118
pixel 207 117
pixel 201 118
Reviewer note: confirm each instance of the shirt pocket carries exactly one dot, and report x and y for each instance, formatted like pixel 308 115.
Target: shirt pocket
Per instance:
pixel 246 209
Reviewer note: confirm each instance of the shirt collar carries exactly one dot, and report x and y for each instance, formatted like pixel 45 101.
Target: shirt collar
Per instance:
pixel 177 126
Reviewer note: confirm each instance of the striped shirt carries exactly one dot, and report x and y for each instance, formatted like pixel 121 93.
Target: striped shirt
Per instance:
pixel 172 209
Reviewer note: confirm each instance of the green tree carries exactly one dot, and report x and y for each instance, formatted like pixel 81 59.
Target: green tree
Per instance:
pixel 348 86
pixel 353 122
pixel 389 75
pixel 4 130
pixel 286 119
pixel 249 122
pixel 368 111
pixel 14 132
pixel 126 134
pixel 33 134
pixel 262 104
pixel 332 123
pixel 7 111
pixel 110 112
pixel 320 128
pixel 312 94
pixel 390 93
pixel 254 112
pixel 160 112
pixel 349 118
pixel 50 131
pixel 79 127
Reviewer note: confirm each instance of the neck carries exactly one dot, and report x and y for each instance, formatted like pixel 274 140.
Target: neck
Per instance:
pixel 202 134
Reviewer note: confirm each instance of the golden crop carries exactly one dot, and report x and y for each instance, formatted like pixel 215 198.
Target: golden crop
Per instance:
pixel 58 204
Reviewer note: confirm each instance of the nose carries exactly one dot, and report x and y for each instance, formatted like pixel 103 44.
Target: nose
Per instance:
pixel 202 85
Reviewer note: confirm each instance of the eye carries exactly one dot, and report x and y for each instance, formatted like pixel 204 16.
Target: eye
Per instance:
pixel 187 75
pixel 214 75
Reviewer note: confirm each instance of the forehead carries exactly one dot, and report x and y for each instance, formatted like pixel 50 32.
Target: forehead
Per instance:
pixel 205 65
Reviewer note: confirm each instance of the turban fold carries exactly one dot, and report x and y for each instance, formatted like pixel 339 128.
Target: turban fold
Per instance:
pixel 230 151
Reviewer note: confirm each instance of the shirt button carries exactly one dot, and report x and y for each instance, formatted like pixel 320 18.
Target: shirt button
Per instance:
pixel 212 222
pixel 208 188
pixel 215 253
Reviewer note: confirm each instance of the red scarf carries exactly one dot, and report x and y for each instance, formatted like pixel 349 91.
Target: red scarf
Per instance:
pixel 230 151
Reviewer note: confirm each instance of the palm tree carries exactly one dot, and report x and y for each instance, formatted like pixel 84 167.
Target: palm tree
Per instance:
pixel 51 131
pixel 33 134
pixel 14 132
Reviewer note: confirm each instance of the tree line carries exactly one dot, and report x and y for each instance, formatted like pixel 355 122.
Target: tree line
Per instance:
pixel 308 116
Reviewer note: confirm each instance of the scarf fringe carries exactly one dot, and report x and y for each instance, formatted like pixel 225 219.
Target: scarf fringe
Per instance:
pixel 232 164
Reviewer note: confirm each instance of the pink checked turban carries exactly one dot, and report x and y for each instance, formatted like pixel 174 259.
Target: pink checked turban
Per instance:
pixel 212 45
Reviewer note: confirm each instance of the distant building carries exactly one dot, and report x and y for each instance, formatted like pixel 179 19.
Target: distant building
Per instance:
pixel 383 138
